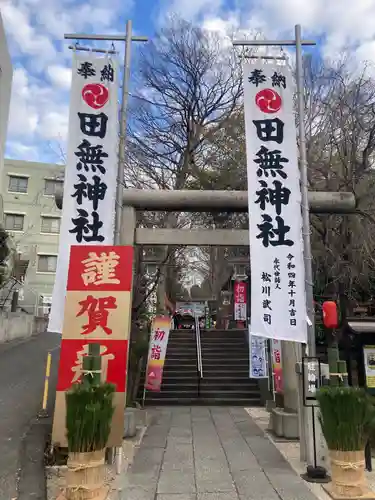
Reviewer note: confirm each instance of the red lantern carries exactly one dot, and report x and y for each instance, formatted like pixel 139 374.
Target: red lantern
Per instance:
pixel 330 314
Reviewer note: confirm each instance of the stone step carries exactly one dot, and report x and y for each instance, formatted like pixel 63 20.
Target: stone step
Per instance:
pixel 175 386
pixel 225 345
pixel 175 393
pixel 183 344
pixel 233 371
pixel 240 376
pixel 216 401
pixel 192 350
pixel 224 363
pixel 226 334
pixel 220 385
pixel 229 357
pixel 223 391
pixel 179 361
pixel 152 400
pixel 180 372
pixel 176 356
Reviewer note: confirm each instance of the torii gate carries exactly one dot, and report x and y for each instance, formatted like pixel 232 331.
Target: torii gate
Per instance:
pixel 204 201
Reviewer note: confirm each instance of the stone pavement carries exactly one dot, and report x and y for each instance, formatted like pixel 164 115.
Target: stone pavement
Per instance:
pixel 209 453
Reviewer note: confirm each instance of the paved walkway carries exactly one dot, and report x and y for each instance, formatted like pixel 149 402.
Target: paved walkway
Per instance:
pixel 210 453
pixel 22 370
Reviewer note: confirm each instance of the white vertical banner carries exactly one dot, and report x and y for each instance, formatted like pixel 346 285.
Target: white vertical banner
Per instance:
pixel 91 170
pixel 258 357
pixel 278 306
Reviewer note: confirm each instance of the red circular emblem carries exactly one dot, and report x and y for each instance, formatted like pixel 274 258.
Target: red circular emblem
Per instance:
pixel 95 95
pixel 268 101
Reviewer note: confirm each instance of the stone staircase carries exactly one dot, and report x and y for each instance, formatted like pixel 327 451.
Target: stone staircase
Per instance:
pixel 225 360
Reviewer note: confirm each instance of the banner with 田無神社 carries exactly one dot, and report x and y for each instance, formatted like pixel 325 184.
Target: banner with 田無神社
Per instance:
pixel 91 169
pixel 160 329
pixel 278 307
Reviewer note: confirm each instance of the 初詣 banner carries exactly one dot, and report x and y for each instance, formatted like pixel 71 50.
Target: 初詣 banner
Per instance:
pixel 160 330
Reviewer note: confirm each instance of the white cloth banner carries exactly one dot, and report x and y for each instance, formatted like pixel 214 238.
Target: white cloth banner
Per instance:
pixel 278 307
pixel 258 357
pixel 91 170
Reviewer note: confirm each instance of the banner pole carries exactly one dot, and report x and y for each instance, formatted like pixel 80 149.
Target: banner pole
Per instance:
pixel 122 139
pixel 305 200
pixel 315 471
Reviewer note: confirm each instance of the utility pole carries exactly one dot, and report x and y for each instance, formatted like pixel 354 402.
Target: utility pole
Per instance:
pixel 305 417
pixel 128 38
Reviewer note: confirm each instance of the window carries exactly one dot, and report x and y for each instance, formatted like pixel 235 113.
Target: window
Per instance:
pixel 50 225
pixel 240 269
pixel 18 184
pixel 14 222
pixel 151 270
pixel 47 263
pixel 51 186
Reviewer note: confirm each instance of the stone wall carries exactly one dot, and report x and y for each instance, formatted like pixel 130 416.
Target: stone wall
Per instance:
pixel 19 325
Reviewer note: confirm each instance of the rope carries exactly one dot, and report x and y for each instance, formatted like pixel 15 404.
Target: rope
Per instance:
pixel 90 465
pixel 346 486
pixel 348 465
pixel 339 375
pixel 104 488
pixel 91 372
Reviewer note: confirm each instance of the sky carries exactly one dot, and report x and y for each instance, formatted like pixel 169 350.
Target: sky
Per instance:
pixel 38 123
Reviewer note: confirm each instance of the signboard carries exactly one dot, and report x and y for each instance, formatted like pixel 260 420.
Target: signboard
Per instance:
pixel 277 366
pixel 91 170
pixel 278 306
pixel 161 326
pixel 97 307
pixel 190 308
pixel 369 362
pixel 240 299
pixel 311 380
pixel 207 317
pixel 258 358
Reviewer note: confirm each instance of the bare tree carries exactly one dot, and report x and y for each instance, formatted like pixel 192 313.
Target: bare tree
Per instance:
pixel 191 91
pixel 189 86
pixel 340 121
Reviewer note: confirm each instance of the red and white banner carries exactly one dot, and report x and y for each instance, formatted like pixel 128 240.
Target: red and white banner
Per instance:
pixel 97 310
pixel 160 329
pixel 240 300
pixel 277 366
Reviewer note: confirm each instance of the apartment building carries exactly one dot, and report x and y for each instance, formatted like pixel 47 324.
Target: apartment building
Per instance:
pixel 6 75
pixel 33 221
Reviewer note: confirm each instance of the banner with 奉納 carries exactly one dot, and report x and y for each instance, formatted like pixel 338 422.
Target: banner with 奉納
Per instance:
pixel 91 169
pixel 278 306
